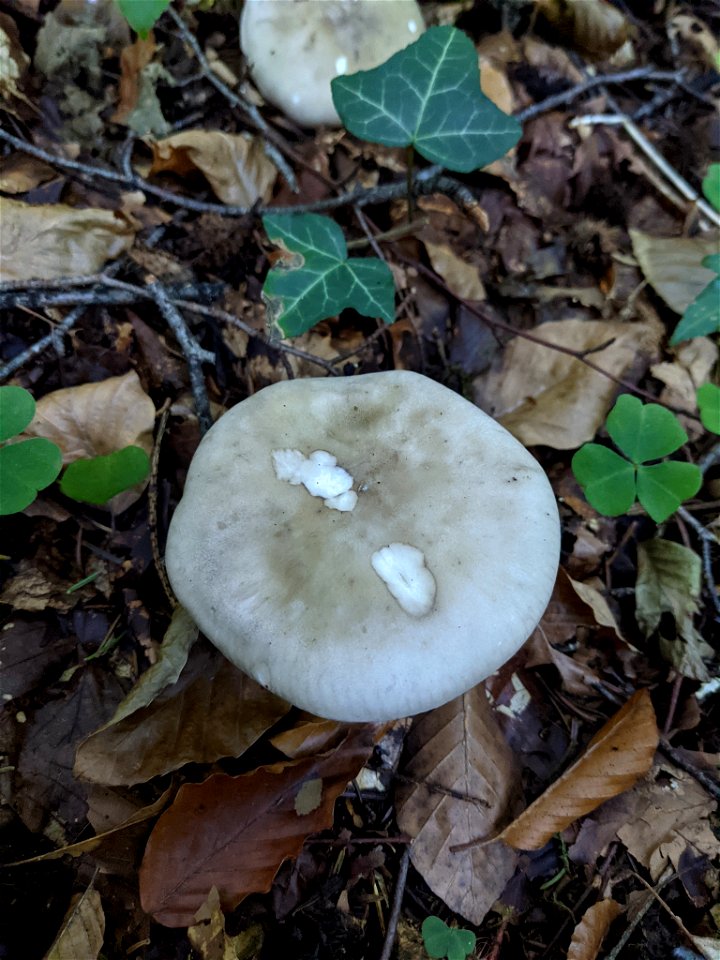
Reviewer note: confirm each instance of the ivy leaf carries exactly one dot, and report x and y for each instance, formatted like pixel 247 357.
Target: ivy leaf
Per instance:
pixel 428 96
pixel 708 401
pixel 142 14
pixel 17 408
pixel 711 185
pixel 644 431
pixel 607 479
pixel 702 317
pixel 25 468
pixel 99 479
pixel 662 487
pixel 440 940
pixel 317 280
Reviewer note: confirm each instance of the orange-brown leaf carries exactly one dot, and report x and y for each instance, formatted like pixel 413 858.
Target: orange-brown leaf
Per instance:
pixel 617 756
pixel 234 832
pixel 589 934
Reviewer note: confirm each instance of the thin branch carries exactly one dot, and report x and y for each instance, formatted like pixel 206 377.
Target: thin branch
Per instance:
pixel 396 906
pixel 707 540
pixel 103 293
pixel 53 339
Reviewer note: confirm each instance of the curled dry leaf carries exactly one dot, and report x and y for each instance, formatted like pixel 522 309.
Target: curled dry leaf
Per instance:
pixel 594 27
pixel 589 934
pixel 617 756
pixel 546 397
pixel 83 930
pixel 53 240
pixel 236 166
pixel 234 832
pixel 458 785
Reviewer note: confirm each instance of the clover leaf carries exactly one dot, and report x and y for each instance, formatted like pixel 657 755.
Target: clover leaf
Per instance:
pixel 26 466
pixel 711 185
pixel 428 96
pixel 317 280
pixel 642 432
pixel 99 479
pixel 703 315
pixel 708 401
pixel 440 940
pixel 142 14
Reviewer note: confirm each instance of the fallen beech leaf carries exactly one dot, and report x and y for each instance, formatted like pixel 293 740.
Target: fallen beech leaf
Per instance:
pixel 83 930
pixel 594 27
pixel 458 784
pixel 461 277
pixel 234 832
pixel 212 942
pixel 310 736
pixel 546 397
pixel 589 934
pixel 617 756
pixel 673 266
pixel 53 240
pixel 133 60
pixel 236 166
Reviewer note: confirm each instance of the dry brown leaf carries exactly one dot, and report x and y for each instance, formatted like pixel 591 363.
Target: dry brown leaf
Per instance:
pixel 236 166
pixel 673 266
pixel 234 832
pixel 53 240
pixel 546 397
pixel 462 782
pixel 20 173
pixel 212 942
pixel 594 27
pixel 83 930
pixel 309 737
pixel 616 757
pixel 590 593
pixel 693 365
pixel 133 59
pixel 496 86
pixel 589 934
pixel 461 277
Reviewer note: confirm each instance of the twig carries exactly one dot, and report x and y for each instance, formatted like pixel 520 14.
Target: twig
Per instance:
pixel 710 458
pixel 102 294
pixel 706 540
pixel 666 877
pixel 152 507
pixel 237 101
pixel 567 96
pixel 702 776
pixel 639 138
pixel 396 906
pixel 193 352
pixel 52 339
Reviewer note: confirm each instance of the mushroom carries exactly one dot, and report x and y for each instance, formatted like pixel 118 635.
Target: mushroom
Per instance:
pixel 295 49
pixel 367 547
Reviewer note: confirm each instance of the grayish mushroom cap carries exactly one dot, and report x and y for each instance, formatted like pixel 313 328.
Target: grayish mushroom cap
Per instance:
pixel 383 584
pixel 294 48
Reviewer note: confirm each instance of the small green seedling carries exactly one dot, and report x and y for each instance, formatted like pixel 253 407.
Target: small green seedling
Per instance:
pixel 428 96
pixel 711 185
pixel 702 317
pixel 316 279
pixel 142 15
pixel 440 940
pixel 708 401
pixel 26 466
pixel 643 432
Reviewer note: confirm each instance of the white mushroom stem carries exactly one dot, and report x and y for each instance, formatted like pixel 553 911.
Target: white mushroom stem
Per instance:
pixel 402 569
pixel 319 474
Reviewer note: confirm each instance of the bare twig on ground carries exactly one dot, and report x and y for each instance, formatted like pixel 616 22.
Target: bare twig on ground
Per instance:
pixel 702 776
pixel 152 507
pixel 396 906
pixel 52 339
pixel 707 541
pixel 100 294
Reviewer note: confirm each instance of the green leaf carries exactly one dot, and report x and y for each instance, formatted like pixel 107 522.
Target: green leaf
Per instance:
pixel 661 488
pixel 25 468
pixel 142 14
pixel 440 940
pixel 101 478
pixel 17 408
pixel 428 95
pixel 708 401
pixel 702 317
pixel 644 431
pixel 607 479
pixel 318 280
pixel 711 185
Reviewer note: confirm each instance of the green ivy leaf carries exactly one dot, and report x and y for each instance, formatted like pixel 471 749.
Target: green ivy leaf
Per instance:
pixel 607 479
pixel 644 431
pixel 317 279
pixel 142 14
pixel 101 478
pixel 708 401
pixel 702 317
pixel 25 468
pixel 428 95
pixel 17 408
pixel 662 487
pixel 440 940
pixel 711 185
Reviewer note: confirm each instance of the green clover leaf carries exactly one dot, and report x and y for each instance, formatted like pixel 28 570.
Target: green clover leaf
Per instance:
pixel 642 431
pixel 26 468
pixel 428 96
pixel 142 14
pixel 99 479
pixel 708 401
pixel 17 408
pixel 440 940
pixel 317 279
pixel 702 317
pixel 711 185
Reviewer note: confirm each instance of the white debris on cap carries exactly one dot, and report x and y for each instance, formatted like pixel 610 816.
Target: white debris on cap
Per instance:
pixel 294 48
pixel 319 474
pixel 402 569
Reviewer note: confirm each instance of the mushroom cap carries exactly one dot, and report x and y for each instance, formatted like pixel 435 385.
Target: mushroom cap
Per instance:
pixel 294 49
pixel 304 594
